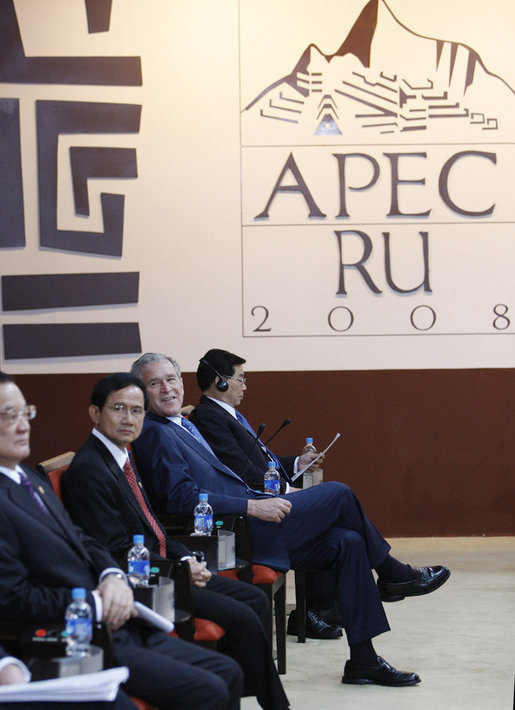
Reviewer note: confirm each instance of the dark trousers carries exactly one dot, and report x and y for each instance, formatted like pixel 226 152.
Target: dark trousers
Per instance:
pixel 328 530
pixel 171 673
pixel 244 611
pixel 122 702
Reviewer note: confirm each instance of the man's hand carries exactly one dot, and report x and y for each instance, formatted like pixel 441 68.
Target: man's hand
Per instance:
pixel 117 601
pixel 307 458
pixel 11 674
pixel 200 574
pixel 271 509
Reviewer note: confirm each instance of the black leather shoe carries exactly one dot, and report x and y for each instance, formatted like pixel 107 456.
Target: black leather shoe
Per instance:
pixel 425 580
pixel 382 674
pixel 316 628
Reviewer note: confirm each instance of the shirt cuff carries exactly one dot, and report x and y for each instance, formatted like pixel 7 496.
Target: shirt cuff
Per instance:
pixel 296 465
pixel 99 609
pixel 10 660
pixel 113 570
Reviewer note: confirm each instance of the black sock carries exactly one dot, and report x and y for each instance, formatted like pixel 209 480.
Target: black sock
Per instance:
pixel 391 570
pixel 363 653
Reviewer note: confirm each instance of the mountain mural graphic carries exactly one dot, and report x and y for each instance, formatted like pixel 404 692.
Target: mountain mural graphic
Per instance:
pixel 384 79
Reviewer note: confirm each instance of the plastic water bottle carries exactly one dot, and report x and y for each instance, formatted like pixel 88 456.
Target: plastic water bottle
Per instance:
pixel 138 563
pixel 79 624
pixel 309 447
pixel 272 479
pixel 314 474
pixel 203 516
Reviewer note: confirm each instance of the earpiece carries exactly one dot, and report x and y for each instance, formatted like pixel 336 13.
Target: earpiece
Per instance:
pixel 222 385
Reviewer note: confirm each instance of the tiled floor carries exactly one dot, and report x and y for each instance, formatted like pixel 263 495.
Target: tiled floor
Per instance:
pixel 458 639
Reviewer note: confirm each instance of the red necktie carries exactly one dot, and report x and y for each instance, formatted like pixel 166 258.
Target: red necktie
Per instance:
pixel 133 483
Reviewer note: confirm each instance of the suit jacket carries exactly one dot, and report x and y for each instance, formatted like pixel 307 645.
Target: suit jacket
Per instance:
pixel 175 468
pixel 99 499
pixel 232 443
pixel 42 556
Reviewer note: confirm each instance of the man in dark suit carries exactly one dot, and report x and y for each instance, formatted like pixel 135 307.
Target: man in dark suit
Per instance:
pixel 43 556
pixel 222 382
pixel 103 494
pixel 318 528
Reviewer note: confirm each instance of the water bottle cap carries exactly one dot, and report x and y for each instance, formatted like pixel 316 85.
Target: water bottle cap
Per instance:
pixel 78 593
pixel 138 539
pixel 271 464
pixel 202 496
pixel 309 439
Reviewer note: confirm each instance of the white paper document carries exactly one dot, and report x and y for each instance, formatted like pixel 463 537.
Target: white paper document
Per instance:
pixel 101 686
pixel 299 473
pixel 153 618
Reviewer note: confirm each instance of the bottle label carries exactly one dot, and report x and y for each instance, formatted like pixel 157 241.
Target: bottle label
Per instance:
pixel 272 486
pixel 203 522
pixel 139 568
pixel 79 629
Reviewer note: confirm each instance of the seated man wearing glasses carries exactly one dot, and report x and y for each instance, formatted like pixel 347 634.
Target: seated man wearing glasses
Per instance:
pixel 222 381
pixel 43 556
pixel 104 495
pixel 323 527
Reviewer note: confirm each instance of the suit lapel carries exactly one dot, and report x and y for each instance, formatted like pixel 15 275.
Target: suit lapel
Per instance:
pixel 114 470
pixel 200 450
pixel 23 500
pixel 260 446
pixel 56 517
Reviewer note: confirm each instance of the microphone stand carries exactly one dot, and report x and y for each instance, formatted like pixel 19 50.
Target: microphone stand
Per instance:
pixel 285 423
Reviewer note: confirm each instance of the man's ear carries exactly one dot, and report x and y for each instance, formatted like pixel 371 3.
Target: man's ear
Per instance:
pixel 94 413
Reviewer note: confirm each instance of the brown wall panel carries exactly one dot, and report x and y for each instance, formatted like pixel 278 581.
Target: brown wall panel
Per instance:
pixel 429 452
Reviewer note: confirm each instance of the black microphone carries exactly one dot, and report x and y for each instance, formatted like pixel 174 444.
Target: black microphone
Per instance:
pixel 285 423
pixel 261 429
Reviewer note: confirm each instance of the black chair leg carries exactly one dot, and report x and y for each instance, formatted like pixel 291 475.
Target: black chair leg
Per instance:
pixel 280 627
pixel 300 602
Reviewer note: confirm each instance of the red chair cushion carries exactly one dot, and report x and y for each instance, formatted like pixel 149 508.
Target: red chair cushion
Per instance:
pixel 260 574
pixel 141 704
pixel 206 630
pixel 264 575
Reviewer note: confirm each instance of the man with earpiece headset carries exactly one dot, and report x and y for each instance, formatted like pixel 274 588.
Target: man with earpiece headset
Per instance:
pixel 222 381
pixel 323 527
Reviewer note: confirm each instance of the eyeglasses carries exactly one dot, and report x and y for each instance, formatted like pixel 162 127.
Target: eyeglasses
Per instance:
pixel 12 416
pixel 122 410
pixel 241 379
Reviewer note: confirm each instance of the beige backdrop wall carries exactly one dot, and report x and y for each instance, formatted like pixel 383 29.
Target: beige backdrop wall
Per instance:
pixel 269 160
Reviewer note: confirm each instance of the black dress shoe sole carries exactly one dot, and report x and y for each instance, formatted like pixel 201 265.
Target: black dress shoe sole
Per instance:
pixel 393 597
pixel 368 681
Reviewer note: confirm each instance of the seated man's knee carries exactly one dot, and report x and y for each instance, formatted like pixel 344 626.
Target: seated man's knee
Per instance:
pixel 335 488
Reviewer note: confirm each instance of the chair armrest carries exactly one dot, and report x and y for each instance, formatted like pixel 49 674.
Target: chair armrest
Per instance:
pixel 176 524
